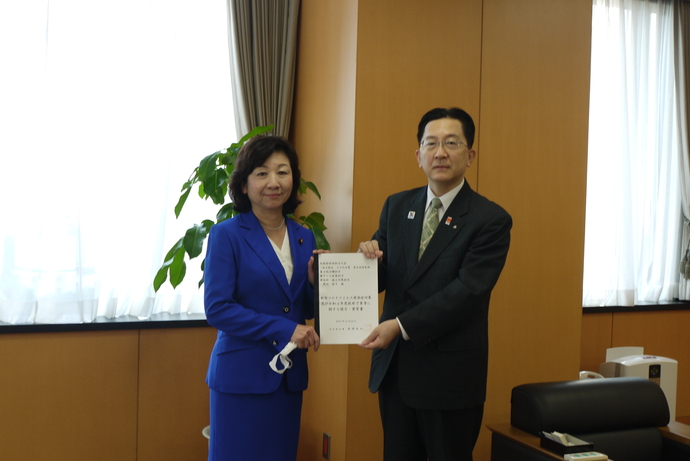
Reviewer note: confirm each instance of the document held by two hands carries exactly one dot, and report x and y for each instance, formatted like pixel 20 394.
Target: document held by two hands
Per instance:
pixel 345 297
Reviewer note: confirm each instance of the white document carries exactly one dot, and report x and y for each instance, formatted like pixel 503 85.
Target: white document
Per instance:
pixel 346 297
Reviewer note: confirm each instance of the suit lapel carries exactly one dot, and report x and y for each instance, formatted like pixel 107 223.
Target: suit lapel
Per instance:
pixel 449 227
pixel 258 241
pixel 412 227
pixel 301 252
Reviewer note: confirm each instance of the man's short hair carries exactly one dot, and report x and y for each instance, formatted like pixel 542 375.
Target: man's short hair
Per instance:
pixel 453 112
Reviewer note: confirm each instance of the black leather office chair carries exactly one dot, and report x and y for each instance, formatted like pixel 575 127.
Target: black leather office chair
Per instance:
pixel 620 416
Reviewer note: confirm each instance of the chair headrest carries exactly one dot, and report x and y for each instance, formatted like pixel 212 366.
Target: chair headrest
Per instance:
pixel 589 405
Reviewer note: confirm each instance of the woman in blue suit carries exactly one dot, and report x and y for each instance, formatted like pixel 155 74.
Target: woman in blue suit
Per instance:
pixel 258 292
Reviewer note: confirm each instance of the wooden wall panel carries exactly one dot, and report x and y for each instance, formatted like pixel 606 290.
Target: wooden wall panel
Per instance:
pixel 69 396
pixel 412 57
pixel 173 397
pixel 325 404
pixel 597 331
pixel 662 333
pixel 364 433
pixel 522 70
pixel 532 160
pixel 323 133
pixel 323 118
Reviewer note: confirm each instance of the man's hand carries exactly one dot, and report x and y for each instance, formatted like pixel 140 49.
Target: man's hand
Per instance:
pixel 382 335
pixel 371 250
pixel 305 336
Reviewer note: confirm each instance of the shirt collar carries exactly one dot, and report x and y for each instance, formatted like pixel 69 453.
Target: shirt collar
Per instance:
pixel 446 199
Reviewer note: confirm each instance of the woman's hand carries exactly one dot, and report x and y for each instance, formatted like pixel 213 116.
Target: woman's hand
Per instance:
pixel 305 336
pixel 310 268
pixel 371 250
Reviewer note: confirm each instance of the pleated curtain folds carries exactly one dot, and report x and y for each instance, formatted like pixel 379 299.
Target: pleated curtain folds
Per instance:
pixel 682 57
pixel 263 35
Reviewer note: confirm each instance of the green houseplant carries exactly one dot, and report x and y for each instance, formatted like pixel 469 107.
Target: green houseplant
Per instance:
pixel 213 176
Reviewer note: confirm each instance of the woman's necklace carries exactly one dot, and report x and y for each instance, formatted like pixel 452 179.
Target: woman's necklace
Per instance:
pixel 274 228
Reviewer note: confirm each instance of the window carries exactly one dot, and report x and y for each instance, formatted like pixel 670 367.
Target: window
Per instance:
pixel 105 109
pixel 633 217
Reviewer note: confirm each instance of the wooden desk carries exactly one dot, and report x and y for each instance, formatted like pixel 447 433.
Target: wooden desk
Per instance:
pixel 523 438
pixel 674 431
pixel 677 431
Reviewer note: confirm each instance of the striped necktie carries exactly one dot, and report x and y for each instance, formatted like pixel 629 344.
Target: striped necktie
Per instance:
pixel 430 225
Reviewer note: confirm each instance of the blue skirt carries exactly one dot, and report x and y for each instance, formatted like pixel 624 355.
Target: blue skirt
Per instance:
pixel 255 427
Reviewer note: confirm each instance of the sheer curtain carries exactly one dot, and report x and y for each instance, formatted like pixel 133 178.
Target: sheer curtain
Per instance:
pixel 633 219
pixel 683 87
pixel 105 109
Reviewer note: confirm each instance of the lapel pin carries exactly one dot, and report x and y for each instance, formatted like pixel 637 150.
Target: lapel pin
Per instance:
pixel 410 215
pixel 448 220
pixel 300 241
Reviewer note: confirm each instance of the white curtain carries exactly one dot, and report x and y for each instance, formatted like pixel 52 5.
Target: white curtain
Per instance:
pixel 105 109
pixel 683 88
pixel 633 219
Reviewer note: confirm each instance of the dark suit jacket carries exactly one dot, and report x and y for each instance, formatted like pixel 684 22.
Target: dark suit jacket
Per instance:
pixel 442 301
pixel 248 299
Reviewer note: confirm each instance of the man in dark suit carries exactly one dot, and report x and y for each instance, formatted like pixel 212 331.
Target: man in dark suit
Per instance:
pixel 441 249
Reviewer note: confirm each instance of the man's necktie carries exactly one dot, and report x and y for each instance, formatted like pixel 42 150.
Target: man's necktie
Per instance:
pixel 430 225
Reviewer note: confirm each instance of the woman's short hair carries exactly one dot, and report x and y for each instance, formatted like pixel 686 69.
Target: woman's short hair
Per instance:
pixel 253 154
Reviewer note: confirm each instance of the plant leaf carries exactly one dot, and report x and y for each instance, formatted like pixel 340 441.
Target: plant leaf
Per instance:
pixel 161 277
pixel 203 265
pixel 194 238
pixel 321 241
pixel 207 166
pixel 189 183
pixel 178 269
pixel 313 221
pixel 225 213
pixel 215 185
pixel 256 131
pixel 193 178
pixel 162 274
pixel 304 185
pixel 181 202
pixel 171 253
pixel 233 150
pixel 212 176
pixel 230 168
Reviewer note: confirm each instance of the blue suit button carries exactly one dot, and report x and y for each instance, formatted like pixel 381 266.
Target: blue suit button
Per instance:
pixel 275 343
pixel 286 309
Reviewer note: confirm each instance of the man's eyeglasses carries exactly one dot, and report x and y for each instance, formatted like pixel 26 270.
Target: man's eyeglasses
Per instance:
pixel 449 145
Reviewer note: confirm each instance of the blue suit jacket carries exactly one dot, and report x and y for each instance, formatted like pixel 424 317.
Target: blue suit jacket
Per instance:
pixel 248 299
